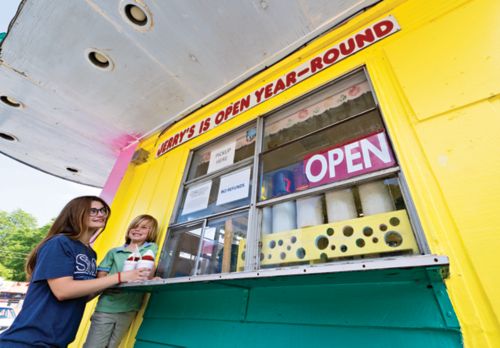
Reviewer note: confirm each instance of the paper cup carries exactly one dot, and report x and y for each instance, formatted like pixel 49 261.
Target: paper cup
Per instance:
pixel 129 265
pixel 145 264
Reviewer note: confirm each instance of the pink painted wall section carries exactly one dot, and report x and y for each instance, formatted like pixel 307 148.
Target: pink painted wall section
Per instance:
pixel 117 173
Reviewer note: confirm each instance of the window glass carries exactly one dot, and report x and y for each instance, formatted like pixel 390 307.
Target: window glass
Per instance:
pixel 221 244
pixel 222 193
pixel 231 149
pixel 365 220
pixel 348 149
pixel 346 98
pixel 209 250
pixel 179 254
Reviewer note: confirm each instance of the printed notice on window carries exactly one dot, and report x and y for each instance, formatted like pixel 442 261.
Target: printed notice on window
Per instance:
pixel 197 198
pixel 221 156
pixel 234 186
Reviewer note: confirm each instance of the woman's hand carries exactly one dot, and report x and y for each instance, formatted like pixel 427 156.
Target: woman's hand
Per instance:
pixel 135 275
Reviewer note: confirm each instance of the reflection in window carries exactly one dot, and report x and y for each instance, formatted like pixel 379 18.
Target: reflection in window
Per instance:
pixel 209 250
pixel 178 257
pixel 221 244
pixel 350 97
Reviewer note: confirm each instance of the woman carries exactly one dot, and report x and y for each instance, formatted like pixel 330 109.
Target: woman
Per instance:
pixel 62 269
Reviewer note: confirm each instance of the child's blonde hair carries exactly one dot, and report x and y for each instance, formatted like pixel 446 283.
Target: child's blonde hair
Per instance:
pixel 137 221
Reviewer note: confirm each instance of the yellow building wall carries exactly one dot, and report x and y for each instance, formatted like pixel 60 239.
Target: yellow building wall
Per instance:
pixel 437 81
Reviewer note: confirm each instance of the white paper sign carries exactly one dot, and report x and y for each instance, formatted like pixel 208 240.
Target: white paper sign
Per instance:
pixel 197 198
pixel 222 156
pixel 234 186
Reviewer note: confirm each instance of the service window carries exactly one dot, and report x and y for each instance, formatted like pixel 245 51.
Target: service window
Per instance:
pixel 212 217
pixel 326 187
pixel 210 186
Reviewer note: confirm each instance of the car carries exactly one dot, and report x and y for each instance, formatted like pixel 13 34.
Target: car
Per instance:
pixel 7 316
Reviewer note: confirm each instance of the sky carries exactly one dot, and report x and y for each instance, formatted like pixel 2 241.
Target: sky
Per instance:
pixel 22 187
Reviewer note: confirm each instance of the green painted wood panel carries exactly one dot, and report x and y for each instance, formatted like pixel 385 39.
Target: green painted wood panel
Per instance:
pixel 220 304
pixel 380 309
pixel 347 305
pixel 199 333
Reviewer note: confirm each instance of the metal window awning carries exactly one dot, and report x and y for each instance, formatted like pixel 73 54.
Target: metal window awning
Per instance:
pixel 74 117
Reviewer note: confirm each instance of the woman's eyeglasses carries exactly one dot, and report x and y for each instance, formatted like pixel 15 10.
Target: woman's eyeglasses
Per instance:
pixel 94 211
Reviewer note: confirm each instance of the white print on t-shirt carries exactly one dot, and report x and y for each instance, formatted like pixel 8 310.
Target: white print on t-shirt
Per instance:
pixel 84 265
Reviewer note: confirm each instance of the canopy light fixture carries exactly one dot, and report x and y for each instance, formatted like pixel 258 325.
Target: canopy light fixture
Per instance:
pixel 136 14
pixel 99 59
pixel 7 136
pixel 10 101
pixel 72 170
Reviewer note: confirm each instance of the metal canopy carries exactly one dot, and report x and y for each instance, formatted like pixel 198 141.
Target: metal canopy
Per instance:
pixel 76 115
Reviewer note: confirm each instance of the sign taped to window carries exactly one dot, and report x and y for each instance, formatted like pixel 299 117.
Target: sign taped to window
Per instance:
pixel 197 198
pixel 222 156
pixel 234 186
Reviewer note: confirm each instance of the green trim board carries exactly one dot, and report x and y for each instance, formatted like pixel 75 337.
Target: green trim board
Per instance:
pixel 381 308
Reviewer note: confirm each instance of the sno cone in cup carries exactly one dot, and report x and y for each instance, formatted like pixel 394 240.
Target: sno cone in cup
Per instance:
pixel 147 260
pixel 129 263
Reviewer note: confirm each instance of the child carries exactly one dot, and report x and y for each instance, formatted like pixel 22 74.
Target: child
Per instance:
pixel 62 276
pixel 116 310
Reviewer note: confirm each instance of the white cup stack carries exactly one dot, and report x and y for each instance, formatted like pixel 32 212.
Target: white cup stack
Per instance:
pixel 130 263
pixel 147 260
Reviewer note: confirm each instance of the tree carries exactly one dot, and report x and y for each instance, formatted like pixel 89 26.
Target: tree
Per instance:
pixel 18 236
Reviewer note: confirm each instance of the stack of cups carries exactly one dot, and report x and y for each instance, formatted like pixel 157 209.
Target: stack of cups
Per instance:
pixel 137 261
pixel 147 261
pixel 130 263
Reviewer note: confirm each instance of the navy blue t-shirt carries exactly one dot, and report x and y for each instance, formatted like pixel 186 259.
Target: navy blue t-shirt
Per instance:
pixel 44 321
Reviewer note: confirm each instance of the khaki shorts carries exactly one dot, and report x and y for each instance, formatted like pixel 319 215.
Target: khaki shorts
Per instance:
pixel 108 329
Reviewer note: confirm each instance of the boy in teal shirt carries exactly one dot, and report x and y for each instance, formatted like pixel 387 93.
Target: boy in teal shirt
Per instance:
pixel 116 310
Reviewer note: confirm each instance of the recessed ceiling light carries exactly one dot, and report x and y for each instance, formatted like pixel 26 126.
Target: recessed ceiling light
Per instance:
pixel 99 59
pixel 10 101
pixel 136 14
pixel 7 136
pixel 72 170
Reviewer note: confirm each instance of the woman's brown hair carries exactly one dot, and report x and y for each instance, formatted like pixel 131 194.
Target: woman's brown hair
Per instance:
pixel 71 222
pixel 137 221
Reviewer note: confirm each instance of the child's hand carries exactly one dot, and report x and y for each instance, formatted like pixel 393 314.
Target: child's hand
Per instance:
pixel 135 275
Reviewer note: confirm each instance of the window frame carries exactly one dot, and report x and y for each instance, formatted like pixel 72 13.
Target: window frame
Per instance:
pixel 254 208
pixel 185 183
